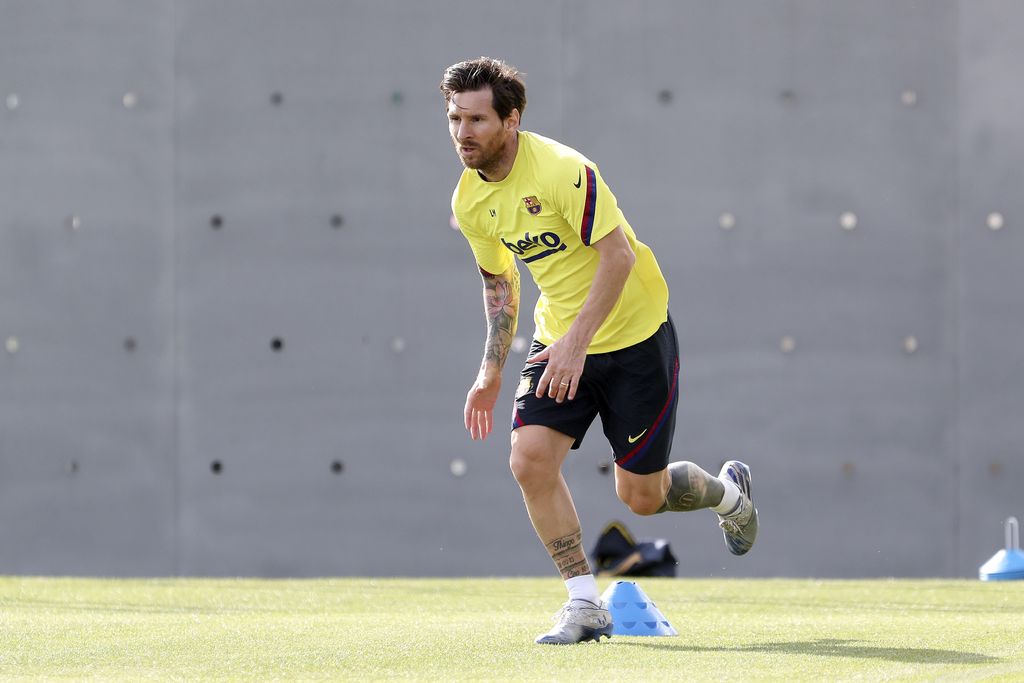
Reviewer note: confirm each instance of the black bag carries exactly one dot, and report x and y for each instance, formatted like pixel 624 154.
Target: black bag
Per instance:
pixel 616 553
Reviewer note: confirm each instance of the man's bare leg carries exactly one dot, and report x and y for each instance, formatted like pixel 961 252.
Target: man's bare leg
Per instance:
pixel 537 456
pixel 684 486
pixel 681 487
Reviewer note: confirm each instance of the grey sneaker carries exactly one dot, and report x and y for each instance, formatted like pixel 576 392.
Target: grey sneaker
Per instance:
pixel 579 621
pixel 739 526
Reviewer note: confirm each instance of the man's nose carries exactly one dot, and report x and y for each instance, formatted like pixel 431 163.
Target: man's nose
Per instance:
pixel 463 132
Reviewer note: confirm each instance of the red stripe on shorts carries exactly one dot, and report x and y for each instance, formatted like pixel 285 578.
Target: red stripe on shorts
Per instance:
pixel 656 427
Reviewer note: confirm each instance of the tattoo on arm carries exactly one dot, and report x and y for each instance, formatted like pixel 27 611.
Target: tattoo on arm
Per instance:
pixel 567 552
pixel 501 302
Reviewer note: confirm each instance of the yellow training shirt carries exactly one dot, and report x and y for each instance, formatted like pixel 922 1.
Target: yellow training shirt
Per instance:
pixel 548 211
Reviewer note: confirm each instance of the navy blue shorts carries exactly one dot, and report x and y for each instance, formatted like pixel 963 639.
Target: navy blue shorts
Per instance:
pixel 634 390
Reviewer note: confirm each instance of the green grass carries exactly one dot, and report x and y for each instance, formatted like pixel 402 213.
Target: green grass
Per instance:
pixel 477 629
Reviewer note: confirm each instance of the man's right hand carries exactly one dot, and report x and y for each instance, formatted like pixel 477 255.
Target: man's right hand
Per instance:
pixel 480 400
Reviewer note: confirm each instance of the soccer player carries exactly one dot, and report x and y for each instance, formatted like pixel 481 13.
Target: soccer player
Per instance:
pixel 604 342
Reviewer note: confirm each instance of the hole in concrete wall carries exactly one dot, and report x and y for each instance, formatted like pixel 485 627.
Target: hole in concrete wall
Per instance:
pixel 276 99
pixel 216 221
pixel 129 344
pixel 73 467
pixel 216 467
pixel 665 96
pixel 277 344
pixel 337 221
pixel 788 97
pixel 397 98
pixel 337 467
pixel 604 467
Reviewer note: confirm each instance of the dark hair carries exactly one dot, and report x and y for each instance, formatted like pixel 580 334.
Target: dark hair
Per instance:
pixel 508 91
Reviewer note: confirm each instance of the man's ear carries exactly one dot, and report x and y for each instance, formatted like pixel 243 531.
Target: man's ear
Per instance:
pixel 512 122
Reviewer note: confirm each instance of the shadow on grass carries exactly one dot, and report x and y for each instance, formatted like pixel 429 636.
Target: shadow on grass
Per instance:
pixel 835 648
pixel 895 608
pixel 61 606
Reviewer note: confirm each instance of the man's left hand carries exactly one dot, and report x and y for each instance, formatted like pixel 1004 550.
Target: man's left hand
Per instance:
pixel 561 377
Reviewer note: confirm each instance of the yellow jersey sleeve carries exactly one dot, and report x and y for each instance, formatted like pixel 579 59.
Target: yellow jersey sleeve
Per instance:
pixel 587 204
pixel 491 256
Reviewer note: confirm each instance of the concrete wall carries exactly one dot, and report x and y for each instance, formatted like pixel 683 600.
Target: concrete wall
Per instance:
pixel 239 329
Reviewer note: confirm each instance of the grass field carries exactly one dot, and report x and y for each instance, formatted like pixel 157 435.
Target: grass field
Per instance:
pixel 483 629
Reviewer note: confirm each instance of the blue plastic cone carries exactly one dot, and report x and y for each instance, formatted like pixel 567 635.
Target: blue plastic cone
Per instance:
pixel 1007 564
pixel 633 613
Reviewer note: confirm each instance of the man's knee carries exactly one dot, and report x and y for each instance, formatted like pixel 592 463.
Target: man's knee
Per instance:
pixel 534 463
pixel 642 502
pixel 644 494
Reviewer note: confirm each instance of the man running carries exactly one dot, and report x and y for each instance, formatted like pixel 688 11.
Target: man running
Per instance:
pixel 604 342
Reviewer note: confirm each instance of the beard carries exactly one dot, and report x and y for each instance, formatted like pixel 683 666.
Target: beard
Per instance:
pixel 481 157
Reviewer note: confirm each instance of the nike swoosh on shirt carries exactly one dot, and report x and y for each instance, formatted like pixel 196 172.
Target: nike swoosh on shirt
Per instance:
pixel 632 439
pixel 579 179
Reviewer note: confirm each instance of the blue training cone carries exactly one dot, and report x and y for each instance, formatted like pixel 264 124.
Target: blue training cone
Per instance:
pixel 633 613
pixel 1007 564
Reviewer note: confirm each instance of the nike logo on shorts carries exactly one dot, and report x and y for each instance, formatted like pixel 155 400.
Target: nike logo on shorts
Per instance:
pixel 632 439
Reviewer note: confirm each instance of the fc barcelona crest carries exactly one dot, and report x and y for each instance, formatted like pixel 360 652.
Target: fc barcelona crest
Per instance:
pixel 532 205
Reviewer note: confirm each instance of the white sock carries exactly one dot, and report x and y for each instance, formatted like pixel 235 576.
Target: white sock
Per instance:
pixel 729 499
pixel 583 588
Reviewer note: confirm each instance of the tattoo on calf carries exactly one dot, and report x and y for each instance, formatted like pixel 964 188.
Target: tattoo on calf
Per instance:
pixel 567 552
pixel 692 488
